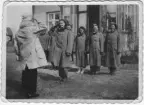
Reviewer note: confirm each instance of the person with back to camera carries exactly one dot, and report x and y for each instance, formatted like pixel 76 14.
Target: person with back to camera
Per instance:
pixel 31 56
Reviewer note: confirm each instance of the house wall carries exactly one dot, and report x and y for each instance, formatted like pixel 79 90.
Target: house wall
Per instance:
pixel 39 12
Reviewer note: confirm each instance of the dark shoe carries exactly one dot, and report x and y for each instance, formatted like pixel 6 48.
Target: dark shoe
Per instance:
pixel 79 71
pixel 97 72
pixel 64 80
pixel 61 80
pixel 31 95
pixel 112 72
pixel 92 73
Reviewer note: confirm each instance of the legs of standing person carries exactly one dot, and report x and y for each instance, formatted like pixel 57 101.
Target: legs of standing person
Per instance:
pixel 82 70
pixel 46 54
pixel 72 57
pixel 29 80
pixel 63 73
pixel 79 70
pixel 62 70
pixel 94 69
pixel 97 68
pixel 91 69
pixel 112 70
pixel 53 66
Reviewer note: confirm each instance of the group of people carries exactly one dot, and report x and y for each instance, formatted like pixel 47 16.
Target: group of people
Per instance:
pixel 58 45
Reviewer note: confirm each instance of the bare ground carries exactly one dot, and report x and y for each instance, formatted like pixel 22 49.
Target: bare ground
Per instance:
pixel 123 85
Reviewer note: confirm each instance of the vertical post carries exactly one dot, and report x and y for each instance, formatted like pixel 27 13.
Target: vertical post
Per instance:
pixel 74 18
pixel 33 11
pixel 61 11
pixel 100 14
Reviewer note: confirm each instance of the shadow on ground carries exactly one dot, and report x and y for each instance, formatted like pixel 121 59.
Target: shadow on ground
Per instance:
pixel 15 90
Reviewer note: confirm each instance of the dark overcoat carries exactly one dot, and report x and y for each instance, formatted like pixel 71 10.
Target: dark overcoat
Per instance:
pixel 64 44
pixel 51 46
pixel 112 48
pixel 44 40
pixel 96 46
pixel 80 49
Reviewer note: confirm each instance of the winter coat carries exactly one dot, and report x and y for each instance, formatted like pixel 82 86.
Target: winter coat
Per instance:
pixel 52 44
pixel 80 50
pixel 64 45
pixel 112 49
pixel 29 49
pixel 44 40
pixel 96 47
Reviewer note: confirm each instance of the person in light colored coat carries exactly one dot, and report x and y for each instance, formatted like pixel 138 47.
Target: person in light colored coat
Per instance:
pixel 31 56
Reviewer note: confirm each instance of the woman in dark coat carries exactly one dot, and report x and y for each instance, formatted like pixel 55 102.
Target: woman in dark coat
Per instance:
pixel 44 40
pixel 80 49
pixel 96 47
pixel 69 27
pixel 51 46
pixel 63 49
pixel 112 49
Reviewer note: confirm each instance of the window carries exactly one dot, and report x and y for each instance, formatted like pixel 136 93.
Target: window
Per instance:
pixel 67 18
pixel 82 19
pixel 52 19
pixel 129 15
pixel 67 13
pixel 82 16
pixel 82 8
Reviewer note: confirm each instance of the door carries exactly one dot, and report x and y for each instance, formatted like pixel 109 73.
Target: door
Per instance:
pixel 93 16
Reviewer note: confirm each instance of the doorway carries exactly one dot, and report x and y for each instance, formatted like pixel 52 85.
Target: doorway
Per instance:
pixel 93 16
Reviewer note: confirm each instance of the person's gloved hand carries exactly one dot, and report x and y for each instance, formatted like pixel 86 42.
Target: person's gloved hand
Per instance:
pixel 102 53
pixel 68 54
pixel 73 52
pixel 118 53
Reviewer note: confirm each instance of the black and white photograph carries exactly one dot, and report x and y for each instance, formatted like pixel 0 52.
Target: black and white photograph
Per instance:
pixel 73 51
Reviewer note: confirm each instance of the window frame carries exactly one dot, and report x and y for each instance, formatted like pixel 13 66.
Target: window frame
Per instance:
pixel 82 12
pixel 52 20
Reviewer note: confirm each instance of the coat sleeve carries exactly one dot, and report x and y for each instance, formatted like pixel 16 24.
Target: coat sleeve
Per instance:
pixel 105 43
pixel 101 43
pixel 74 44
pixel 87 43
pixel 17 45
pixel 39 49
pixel 70 39
pixel 118 43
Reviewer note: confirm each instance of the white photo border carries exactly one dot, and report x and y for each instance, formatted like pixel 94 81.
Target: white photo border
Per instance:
pixel 69 2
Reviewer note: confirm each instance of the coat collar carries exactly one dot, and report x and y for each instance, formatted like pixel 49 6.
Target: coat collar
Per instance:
pixel 81 35
pixel 95 33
